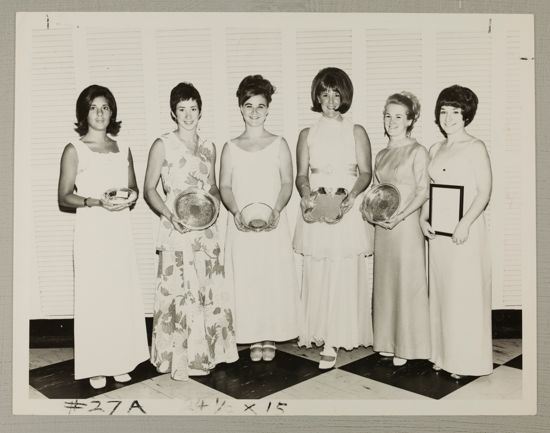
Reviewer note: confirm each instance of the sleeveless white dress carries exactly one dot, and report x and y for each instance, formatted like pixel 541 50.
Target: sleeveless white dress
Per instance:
pixel 336 295
pixel 109 324
pixel 460 282
pixel 260 265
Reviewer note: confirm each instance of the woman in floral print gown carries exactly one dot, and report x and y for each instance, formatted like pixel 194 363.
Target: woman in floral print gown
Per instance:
pixel 193 319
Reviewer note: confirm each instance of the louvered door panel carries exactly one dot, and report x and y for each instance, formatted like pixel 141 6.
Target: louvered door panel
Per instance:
pixel 315 50
pixel 115 60
pixel 250 52
pixel 394 63
pixel 512 180
pixel 53 96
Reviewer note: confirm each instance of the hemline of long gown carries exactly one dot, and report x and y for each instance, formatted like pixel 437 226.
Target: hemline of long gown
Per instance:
pixel 109 324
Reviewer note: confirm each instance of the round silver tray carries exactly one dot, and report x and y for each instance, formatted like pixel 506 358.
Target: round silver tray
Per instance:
pixel 196 209
pixel 381 202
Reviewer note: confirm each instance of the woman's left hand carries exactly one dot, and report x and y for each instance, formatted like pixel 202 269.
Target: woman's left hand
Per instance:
pixel 461 233
pixel 273 220
pixel 392 222
pixel 347 204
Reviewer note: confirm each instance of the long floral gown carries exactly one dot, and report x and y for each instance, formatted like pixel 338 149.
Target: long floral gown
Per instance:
pixel 193 321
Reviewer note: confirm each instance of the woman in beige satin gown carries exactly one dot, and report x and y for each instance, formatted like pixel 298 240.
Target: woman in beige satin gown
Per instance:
pixel 400 293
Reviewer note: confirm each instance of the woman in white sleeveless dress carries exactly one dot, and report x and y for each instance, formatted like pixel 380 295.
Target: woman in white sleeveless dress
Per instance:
pixel 193 319
pixel 257 167
pixel 109 324
pixel 460 266
pixel 334 153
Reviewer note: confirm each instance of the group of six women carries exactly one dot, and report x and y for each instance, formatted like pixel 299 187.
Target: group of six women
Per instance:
pixel 209 298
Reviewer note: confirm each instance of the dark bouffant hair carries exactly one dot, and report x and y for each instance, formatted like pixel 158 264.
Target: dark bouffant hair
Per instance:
pixel 83 104
pixel 411 104
pixel 183 92
pixel 459 97
pixel 253 85
pixel 335 79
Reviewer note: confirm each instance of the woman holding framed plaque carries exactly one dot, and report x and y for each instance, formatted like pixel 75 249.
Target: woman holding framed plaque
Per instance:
pixel 193 318
pixel 255 185
pixel 459 256
pixel 401 316
pixel 334 156
pixel 97 179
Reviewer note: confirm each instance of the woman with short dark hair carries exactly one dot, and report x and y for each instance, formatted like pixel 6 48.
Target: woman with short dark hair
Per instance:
pixel 109 324
pixel 334 154
pixel 460 266
pixel 193 319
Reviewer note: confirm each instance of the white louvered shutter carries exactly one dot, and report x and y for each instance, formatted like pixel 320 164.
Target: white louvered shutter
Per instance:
pixel 394 63
pixel 115 60
pixel 315 50
pixel 250 52
pixel 512 201
pixel 52 111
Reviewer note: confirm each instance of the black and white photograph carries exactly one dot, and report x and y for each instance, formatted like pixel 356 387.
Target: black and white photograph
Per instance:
pixel 231 214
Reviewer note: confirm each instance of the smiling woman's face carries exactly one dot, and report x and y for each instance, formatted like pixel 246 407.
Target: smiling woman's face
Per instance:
pixel 330 101
pixel 187 114
pixel 395 120
pixel 451 119
pixel 255 110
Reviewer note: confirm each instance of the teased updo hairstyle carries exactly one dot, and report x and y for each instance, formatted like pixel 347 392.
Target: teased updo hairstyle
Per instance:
pixel 459 97
pixel 83 104
pixel 411 104
pixel 184 92
pixel 253 85
pixel 335 79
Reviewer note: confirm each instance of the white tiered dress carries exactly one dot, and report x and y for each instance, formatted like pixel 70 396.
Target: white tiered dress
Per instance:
pixel 336 292
pixel 260 265
pixel 109 324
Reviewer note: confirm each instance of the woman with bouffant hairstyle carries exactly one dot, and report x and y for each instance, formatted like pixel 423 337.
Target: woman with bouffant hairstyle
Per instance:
pixel 460 266
pixel 256 167
pixel 334 154
pixel 400 291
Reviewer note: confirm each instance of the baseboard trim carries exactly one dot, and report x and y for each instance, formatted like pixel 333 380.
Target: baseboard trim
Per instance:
pixel 59 332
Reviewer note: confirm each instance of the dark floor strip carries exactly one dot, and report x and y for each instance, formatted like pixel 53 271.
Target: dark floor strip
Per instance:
pixel 245 379
pixel 57 380
pixel 416 376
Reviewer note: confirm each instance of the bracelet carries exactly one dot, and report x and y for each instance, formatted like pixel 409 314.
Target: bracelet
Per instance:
pixel 86 202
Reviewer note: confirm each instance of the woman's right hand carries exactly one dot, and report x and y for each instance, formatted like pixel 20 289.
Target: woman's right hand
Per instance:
pixel 178 225
pixel 427 229
pixel 239 223
pixel 306 203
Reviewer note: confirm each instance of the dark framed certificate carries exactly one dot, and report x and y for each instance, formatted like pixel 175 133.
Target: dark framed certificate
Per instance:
pixel 446 207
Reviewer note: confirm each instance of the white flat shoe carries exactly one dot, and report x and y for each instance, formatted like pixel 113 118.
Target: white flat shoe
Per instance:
pixel 98 382
pixel 386 354
pixel 122 377
pixel 436 367
pixel 329 353
pixel 398 362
